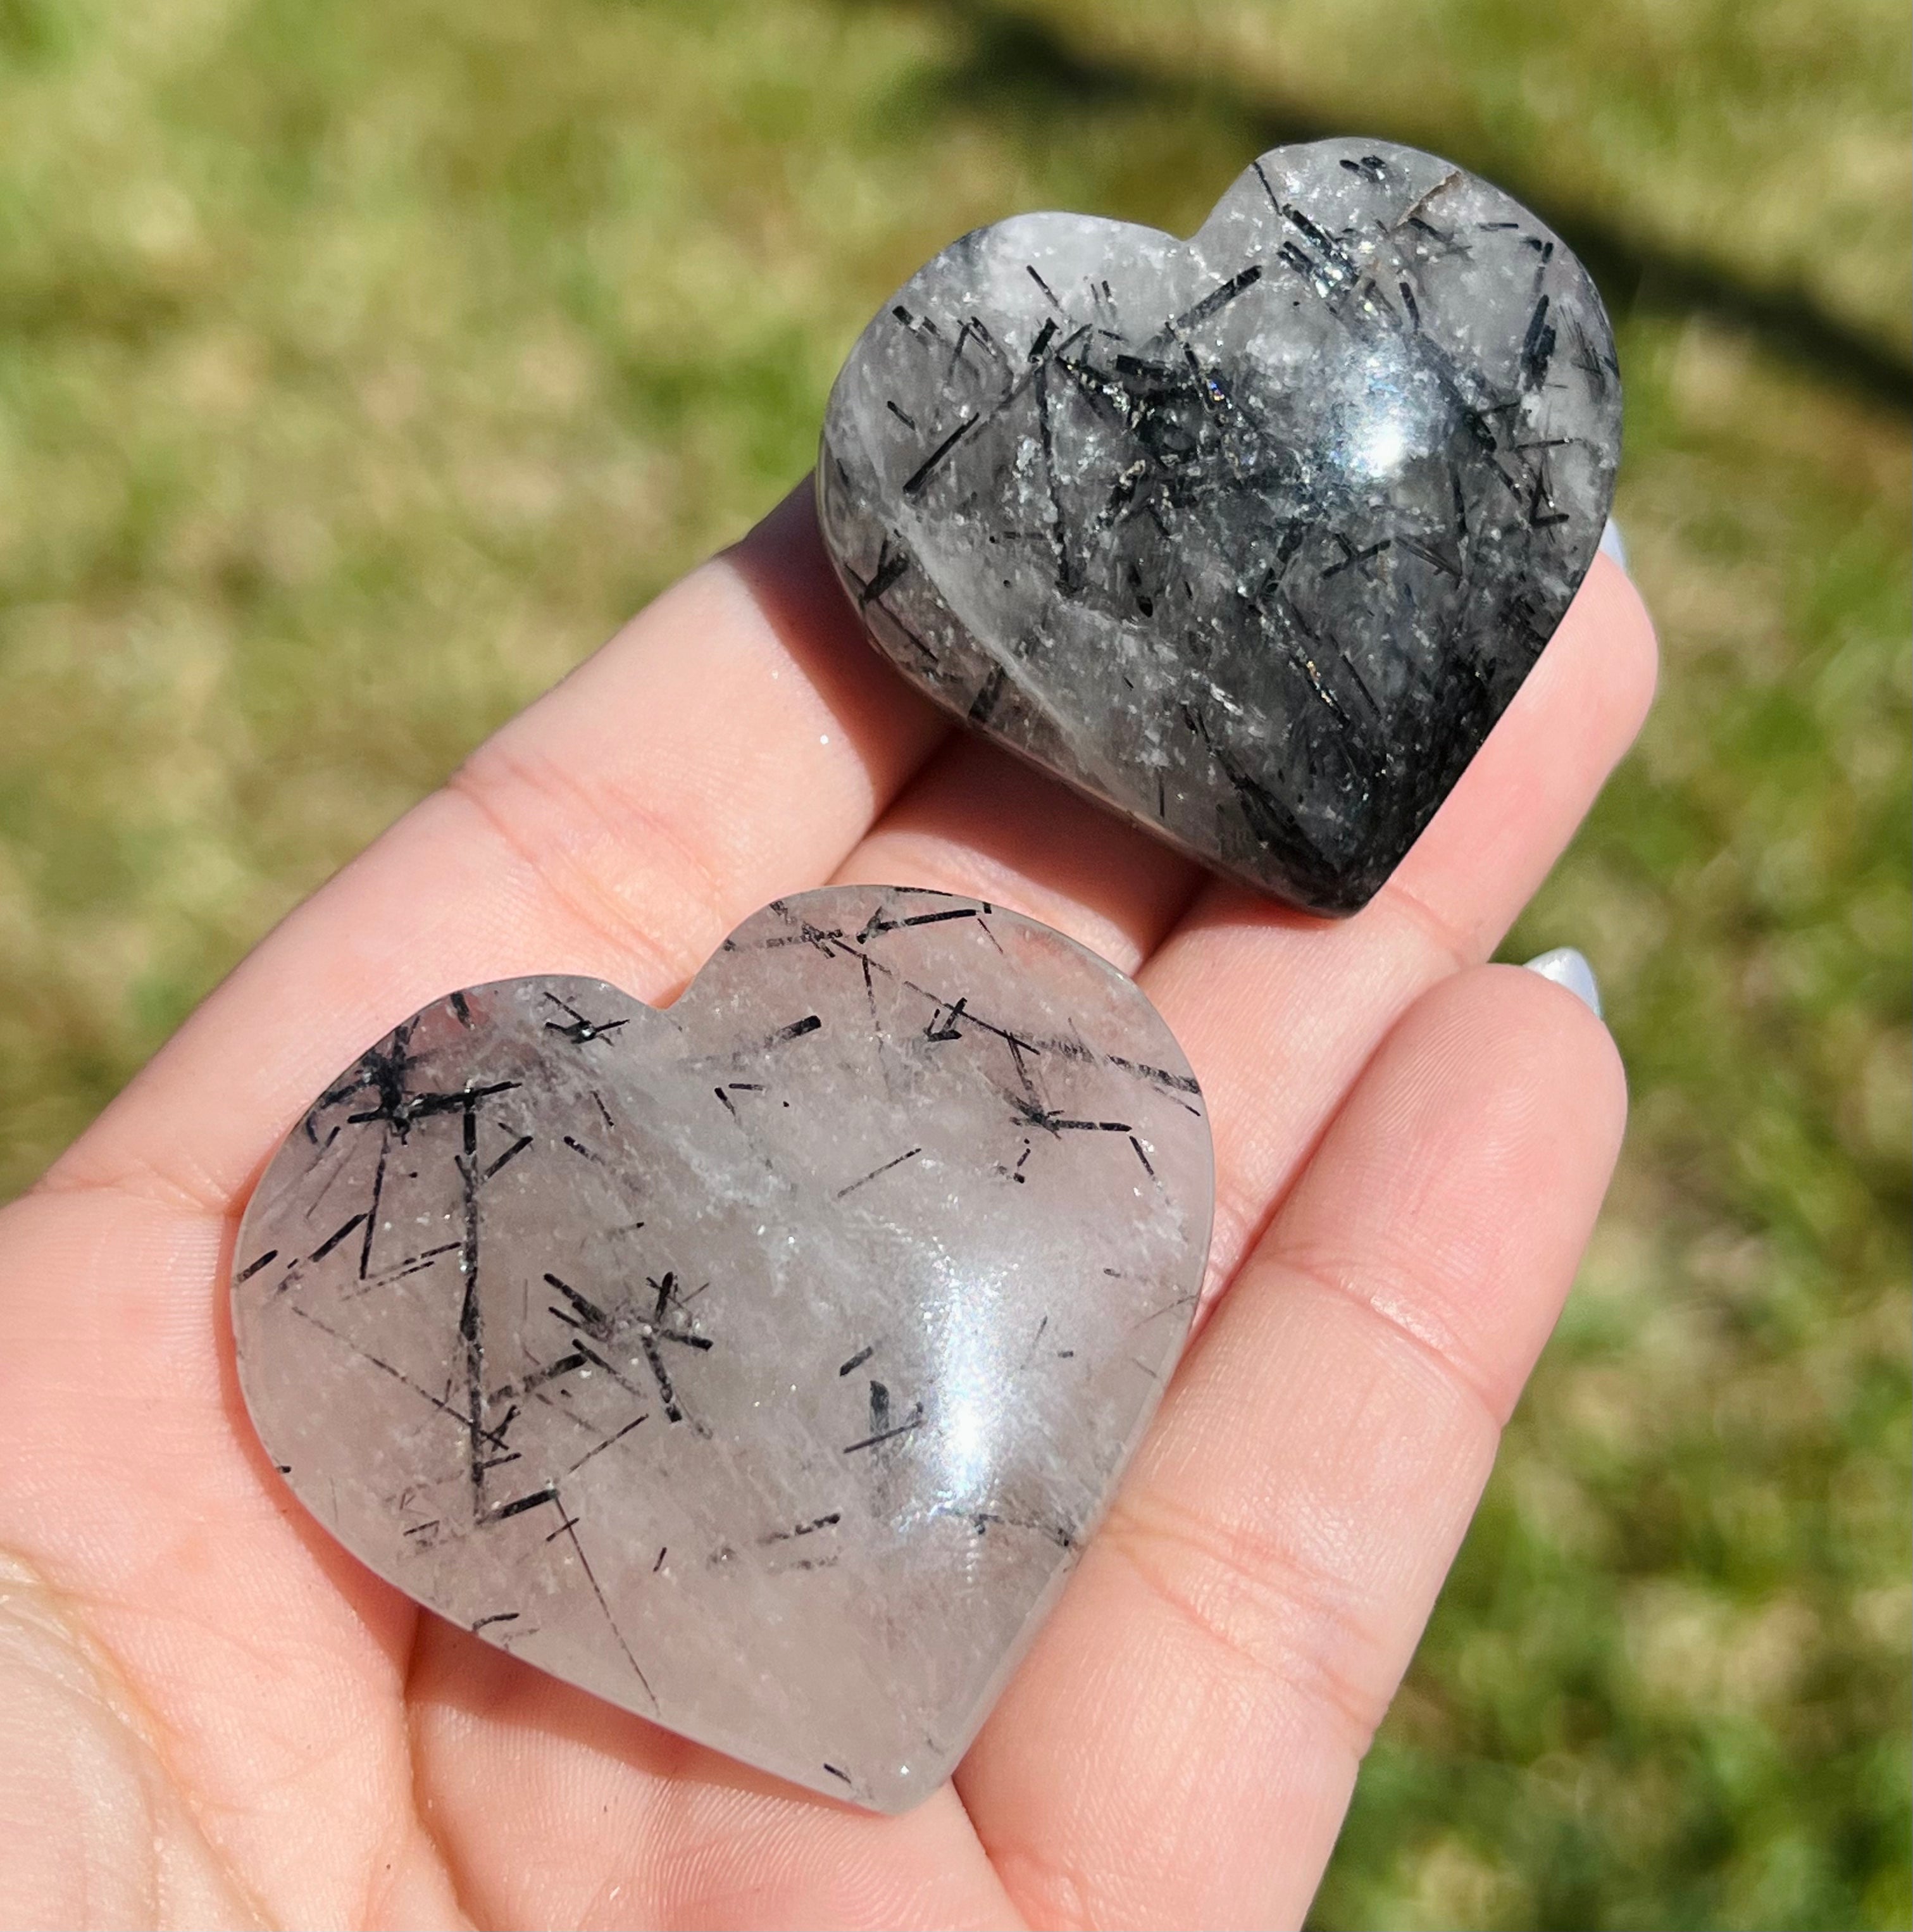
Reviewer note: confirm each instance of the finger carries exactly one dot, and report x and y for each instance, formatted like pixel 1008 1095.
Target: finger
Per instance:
pixel 978 822
pixel 1181 1748
pixel 1277 1013
pixel 732 742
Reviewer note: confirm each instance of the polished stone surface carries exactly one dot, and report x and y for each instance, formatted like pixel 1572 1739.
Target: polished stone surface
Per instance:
pixel 760 1365
pixel 1252 537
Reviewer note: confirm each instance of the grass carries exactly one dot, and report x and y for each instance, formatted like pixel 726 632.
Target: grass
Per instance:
pixel 360 366
pixel 1759 145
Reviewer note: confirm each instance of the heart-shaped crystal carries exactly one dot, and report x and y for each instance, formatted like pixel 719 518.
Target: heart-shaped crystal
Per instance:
pixel 1253 536
pixel 760 1365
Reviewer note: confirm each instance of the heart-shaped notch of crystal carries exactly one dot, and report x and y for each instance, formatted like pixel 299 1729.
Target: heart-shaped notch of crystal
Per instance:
pixel 760 1365
pixel 1252 537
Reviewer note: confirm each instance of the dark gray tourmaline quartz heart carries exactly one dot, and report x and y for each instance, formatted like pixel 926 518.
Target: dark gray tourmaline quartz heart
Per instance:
pixel 760 1365
pixel 1253 536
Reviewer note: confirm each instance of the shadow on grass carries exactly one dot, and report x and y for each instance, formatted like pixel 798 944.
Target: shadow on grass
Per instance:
pixel 1017 67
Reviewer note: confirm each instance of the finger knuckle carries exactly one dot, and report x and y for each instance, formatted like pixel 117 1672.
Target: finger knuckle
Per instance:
pixel 613 860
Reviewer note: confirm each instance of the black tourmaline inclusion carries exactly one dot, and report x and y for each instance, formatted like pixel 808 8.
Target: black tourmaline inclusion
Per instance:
pixel 1252 537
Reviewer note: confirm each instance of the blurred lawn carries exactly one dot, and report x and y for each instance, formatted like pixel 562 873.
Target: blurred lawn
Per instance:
pixel 361 365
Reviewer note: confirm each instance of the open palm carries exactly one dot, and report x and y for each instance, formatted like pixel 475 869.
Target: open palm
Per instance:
pixel 211 1715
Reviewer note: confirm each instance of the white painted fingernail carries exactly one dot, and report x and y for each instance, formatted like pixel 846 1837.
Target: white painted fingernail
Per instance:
pixel 1611 544
pixel 1567 968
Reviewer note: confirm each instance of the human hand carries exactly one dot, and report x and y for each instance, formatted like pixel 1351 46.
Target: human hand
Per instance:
pixel 210 1714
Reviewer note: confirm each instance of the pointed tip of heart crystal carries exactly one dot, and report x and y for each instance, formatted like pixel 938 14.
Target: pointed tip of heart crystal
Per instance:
pixel 760 1365
pixel 1252 537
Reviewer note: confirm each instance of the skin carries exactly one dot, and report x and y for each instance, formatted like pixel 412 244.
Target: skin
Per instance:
pixel 211 1716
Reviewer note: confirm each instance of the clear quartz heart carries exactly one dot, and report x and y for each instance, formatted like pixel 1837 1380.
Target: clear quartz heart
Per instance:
pixel 1252 537
pixel 760 1365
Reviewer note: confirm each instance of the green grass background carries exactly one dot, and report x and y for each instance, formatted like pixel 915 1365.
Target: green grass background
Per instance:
pixel 362 362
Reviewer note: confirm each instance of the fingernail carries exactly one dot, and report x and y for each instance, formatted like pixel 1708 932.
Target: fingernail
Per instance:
pixel 1611 544
pixel 1567 968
